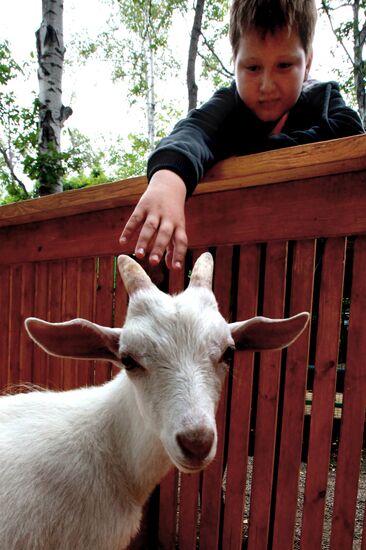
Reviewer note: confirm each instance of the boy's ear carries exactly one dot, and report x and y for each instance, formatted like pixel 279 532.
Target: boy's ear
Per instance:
pixel 309 60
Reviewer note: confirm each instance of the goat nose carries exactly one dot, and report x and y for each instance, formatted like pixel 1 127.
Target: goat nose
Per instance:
pixel 196 443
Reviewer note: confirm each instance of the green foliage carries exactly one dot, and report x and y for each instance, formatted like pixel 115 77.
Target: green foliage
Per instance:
pixel 20 160
pixel 137 42
pixel 347 19
pixel 216 64
pixel 134 29
pixel 9 69
pixel 17 130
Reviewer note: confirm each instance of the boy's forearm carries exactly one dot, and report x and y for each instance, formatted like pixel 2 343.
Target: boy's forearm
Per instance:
pixel 191 148
pixel 176 162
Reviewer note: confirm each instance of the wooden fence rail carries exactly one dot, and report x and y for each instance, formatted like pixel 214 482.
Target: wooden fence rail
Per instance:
pixel 288 232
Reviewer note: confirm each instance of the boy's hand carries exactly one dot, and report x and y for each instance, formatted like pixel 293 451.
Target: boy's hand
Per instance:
pixel 159 216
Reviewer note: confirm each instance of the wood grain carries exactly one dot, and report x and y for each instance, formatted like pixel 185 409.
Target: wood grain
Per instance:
pixel 295 163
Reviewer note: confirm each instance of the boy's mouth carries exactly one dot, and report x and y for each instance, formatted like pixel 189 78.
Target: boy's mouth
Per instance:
pixel 268 103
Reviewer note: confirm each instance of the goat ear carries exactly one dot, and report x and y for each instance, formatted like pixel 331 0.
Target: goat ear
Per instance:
pixel 202 271
pixel 133 276
pixel 78 338
pixel 261 333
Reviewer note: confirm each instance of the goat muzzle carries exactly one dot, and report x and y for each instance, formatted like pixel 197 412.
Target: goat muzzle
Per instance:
pixel 196 444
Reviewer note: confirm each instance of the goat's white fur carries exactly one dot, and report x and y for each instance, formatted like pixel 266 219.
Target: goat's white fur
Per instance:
pixel 77 466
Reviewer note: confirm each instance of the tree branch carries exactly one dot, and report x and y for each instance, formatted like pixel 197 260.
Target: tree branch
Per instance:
pixel 339 40
pixel 192 54
pixel 224 70
pixel 11 169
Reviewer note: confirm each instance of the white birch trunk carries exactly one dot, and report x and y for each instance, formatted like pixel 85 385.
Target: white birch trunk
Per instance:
pixel 150 96
pixel 50 48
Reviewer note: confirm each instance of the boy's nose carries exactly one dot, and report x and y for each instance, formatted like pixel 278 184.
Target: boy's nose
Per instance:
pixel 267 82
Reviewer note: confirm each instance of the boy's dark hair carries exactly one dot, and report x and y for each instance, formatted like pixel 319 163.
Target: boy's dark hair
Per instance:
pixel 270 15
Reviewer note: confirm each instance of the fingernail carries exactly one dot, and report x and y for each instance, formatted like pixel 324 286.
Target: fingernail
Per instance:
pixel 154 259
pixel 178 265
pixel 123 240
pixel 140 252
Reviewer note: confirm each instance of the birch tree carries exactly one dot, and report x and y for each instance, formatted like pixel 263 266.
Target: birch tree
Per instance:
pixel 136 42
pixel 52 113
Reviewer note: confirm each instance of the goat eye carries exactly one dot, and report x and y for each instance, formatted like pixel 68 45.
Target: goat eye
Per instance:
pixel 130 363
pixel 227 356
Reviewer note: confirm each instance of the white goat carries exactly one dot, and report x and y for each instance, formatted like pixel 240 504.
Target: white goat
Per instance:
pixel 77 466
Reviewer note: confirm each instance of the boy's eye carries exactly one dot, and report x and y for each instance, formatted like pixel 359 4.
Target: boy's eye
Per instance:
pixel 131 364
pixel 284 65
pixel 252 68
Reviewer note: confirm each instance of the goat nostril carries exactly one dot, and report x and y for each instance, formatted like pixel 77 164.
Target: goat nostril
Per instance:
pixel 196 444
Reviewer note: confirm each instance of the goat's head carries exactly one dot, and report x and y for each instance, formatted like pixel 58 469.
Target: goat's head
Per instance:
pixel 173 350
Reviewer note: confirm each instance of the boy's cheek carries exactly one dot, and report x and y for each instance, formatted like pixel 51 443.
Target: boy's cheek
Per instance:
pixel 244 88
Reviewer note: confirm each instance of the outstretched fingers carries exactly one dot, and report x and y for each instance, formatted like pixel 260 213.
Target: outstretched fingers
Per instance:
pixel 179 248
pixel 158 221
pixel 133 224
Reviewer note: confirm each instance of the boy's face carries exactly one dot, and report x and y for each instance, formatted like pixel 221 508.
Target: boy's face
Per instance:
pixel 270 72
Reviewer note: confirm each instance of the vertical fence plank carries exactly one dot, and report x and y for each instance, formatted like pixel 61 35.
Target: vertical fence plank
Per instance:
pixel 87 291
pixel 168 510
pixel 188 511
pixel 40 357
pixel 70 310
pixel 27 292
pixel 14 324
pixel 241 401
pixel 55 297
pixel 169 486
pixel 120 308
pixel 266 423
pixel 353 412
pixel 104 310
pixel 326 358
pixel 189 495
pixel 293 403
pixel 21 306
pixel 4 324
pixel 212 477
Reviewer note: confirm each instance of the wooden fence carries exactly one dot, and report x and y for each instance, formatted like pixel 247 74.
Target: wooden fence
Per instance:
pixel 288 231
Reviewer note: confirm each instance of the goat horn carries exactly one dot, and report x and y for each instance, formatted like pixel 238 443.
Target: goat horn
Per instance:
pixel 202 271
pixel 133 276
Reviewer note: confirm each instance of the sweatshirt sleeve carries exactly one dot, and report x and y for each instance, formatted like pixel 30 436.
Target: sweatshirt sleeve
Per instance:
pixel 192 147
pixel 333 119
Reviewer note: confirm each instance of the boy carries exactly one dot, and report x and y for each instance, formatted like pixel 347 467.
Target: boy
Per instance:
pixel 270 105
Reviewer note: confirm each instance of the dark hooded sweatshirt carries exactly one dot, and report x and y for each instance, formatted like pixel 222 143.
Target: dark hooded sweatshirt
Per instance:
pixel 225 127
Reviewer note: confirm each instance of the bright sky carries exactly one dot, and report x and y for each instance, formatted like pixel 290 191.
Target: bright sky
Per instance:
pixel 98 105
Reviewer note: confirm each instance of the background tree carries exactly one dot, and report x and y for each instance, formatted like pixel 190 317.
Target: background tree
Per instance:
pixel 18 131
pixel 136 43
pixel 208 29
pixel 192 54
pixel 160 49
pixel 52 114
pixel 347 19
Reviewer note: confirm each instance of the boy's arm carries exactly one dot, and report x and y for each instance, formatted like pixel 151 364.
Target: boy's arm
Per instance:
pixel 174 169
pixel 193 145
pixel 336 120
